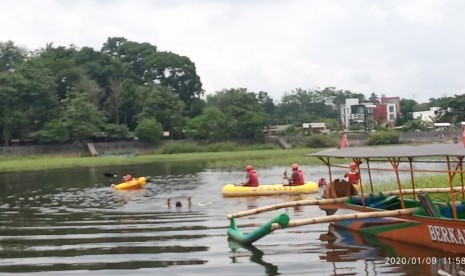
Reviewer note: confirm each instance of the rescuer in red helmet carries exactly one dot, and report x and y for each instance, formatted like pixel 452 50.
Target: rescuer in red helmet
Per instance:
pixel 297 177
pixel 251 178
pixel 353 175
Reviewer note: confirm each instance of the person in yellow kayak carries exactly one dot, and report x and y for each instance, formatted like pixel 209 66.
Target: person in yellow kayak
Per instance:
pixel 251 178
pixel 127 178
pixel 297 177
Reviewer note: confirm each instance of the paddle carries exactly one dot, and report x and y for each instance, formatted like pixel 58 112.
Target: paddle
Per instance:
pixel 114 175
pixel 287 179
pixel 108 174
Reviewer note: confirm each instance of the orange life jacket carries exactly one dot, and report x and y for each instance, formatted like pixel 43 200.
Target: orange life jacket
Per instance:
pixel 298 178
pixel 253 179
pixel 354 177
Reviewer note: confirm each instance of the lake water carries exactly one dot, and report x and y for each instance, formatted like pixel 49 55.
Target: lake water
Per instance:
pixel 71 222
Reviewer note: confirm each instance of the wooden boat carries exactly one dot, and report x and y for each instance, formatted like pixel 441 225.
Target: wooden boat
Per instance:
pixel 135 183
pixel 231 190
pixel 392 215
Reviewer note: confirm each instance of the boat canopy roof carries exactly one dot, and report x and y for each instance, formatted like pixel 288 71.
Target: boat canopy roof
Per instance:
pixel 395 151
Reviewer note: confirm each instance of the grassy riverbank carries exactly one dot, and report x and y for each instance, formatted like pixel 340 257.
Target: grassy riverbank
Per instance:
pixel 232 160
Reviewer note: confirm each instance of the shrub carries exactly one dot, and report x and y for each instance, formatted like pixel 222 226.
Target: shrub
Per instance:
pixel 149 130
pixel 320 141
pixel 54 131
pixel 221 146
pixel 171 148
pixel 383 138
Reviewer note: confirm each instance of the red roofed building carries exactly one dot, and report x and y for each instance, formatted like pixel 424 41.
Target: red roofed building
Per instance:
pixel 387 112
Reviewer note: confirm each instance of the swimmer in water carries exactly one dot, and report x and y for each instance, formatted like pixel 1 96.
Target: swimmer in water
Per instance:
pixel 178 203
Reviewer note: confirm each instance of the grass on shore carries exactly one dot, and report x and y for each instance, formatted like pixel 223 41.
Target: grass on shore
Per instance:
pixel 423 181
pixel 232 160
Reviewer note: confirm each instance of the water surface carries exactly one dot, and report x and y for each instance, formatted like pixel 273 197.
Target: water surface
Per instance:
pixel 70 221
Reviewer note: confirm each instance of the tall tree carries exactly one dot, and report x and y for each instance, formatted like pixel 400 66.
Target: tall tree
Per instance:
pixel 246 118
pixel 454 109
pixel 82 117
pixel 61 62
pixel 10 115
pixel 165 106
pixel 407 108
pixel 11 55
pixel 211 125
pixel 153 67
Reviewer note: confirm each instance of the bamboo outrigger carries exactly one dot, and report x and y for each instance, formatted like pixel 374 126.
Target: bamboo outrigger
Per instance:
pixel 393 215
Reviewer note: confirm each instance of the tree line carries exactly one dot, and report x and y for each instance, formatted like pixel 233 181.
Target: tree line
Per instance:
pixel 127 89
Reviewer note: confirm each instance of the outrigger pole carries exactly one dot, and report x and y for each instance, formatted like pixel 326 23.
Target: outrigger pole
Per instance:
pixel 358 215
pixel 234 233
pixel 307 202
pixel 283 220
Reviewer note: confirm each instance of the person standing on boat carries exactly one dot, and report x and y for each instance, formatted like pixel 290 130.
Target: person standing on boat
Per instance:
pixel 297 177
pixel 251 178
pixel 321 186
pixel 353 175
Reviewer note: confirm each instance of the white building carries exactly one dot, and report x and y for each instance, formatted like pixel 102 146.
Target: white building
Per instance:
pixel 346 113
pixel 353 111
pixel 427 116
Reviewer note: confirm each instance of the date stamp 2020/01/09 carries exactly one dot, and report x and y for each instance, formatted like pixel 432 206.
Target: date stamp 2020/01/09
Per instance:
pixel 424 260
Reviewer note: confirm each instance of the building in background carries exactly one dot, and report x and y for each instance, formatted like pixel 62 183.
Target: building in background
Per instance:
pixel 387 111
pixel 428 116
pixel 384 113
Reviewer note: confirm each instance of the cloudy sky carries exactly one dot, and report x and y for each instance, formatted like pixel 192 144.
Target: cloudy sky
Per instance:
pixel 411 49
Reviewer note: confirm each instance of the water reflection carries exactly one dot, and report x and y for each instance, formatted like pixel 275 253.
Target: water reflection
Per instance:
pixel 70 221
pixel 256 256
pixel 344 245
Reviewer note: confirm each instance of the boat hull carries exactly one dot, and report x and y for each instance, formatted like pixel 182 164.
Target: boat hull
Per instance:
pixel 231 190
pixel 136 183
pixel 438 233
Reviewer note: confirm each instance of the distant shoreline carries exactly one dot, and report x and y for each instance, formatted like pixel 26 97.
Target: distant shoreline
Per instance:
pixel 212 160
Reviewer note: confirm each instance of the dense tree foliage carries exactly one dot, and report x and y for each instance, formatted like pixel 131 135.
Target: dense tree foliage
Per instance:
pixel 127 88
pixel 149 130
pixel 246 118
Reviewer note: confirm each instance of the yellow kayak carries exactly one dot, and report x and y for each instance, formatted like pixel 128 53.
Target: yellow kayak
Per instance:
pixel 136 183
pixel 269 189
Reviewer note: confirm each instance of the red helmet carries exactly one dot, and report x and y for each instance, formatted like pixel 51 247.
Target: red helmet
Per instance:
pixel 248 168
pixel 295 166
pixel 353 166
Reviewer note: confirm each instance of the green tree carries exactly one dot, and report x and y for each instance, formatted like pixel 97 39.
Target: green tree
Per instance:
pixel 246 118
pixel 407 107
pixel 211 125
pixel 303 106
pixel 454 109
pixel 117 131
pixel 11 56
pixel 149 130
pixel 150 66
pixel 165 106
pixel 10 114
pixel 61 63
pixel 55 131
pixel 82 117
pixel 413 125
pixel 38 94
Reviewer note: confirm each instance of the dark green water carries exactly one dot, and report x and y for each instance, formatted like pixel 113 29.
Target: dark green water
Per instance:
pixel 70 222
